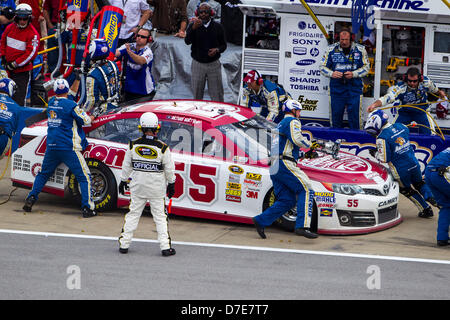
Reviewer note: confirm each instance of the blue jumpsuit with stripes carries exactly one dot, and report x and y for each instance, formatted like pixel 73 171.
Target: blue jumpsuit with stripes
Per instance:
pixel 291 185
pixel 345 92
pixel 65 141
pixel 394 148
pixel 440 186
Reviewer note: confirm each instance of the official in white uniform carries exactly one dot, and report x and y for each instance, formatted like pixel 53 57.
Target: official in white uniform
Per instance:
pixel 148 162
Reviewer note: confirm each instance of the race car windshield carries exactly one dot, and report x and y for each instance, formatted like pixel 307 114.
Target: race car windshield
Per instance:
pixel 252 136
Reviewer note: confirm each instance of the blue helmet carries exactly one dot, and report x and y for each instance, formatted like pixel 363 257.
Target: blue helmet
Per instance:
pixel 8 86
pixel 291 105
pixel 61 86
pixel 375 121
pixel 98 49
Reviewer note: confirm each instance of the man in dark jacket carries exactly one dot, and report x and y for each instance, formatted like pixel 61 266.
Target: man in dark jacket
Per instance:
pixel 208 42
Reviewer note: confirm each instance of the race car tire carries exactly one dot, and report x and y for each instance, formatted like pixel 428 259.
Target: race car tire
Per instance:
pixel 103 185
pixel 287 220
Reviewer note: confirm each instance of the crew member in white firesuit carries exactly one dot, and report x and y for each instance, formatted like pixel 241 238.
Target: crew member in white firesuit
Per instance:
pixel 394 148
pixel 148 163
pixel 102 81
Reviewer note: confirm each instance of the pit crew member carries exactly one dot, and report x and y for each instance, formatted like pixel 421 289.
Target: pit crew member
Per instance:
pixel 148 162
pixel 291 185
pixel 18 48
pixel 414 92
pixel 437 177
pixel 65 141
pixel 9 114
pixel 345 63
pixel 264 97
pixel 394 148
pixel 102 81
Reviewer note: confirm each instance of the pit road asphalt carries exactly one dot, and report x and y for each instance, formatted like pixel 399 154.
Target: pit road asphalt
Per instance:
pixel 215 260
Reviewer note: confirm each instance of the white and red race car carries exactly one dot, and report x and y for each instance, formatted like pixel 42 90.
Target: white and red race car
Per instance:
pixel 221 153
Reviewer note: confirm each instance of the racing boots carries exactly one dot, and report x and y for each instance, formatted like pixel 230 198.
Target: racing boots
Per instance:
pixel 168 252
pixel 29 203
pixel 433 202
pixel 306 233
pixel 259 229
pixel 87 213
pixel 442 243
pixel 123 250
pixel 427 213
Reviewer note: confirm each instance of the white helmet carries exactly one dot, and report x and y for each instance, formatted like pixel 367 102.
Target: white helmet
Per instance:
pixel 291 105
pixel 61 86
pixel 23 10
pixel 149 120
pixel 375 122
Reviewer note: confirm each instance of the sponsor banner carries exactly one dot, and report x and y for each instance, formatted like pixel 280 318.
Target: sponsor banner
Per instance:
pixel 305 46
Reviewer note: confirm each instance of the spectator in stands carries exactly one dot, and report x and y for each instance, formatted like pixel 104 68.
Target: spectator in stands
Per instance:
pixel 207 39
pixel 193 6
pixel 138 59
pixel 136 14
pixel 170 16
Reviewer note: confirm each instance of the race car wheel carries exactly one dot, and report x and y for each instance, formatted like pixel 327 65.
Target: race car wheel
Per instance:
pixel 103 186
pixel 287 220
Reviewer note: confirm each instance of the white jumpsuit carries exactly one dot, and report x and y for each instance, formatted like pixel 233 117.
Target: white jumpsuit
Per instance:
pixel 148 162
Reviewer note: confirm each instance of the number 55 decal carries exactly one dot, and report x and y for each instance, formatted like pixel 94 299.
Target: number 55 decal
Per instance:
pixel 202 186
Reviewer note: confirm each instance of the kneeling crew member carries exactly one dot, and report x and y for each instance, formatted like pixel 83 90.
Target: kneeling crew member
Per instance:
pixel 394 148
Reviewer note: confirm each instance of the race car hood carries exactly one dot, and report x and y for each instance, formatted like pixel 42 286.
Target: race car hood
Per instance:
pixel 347 169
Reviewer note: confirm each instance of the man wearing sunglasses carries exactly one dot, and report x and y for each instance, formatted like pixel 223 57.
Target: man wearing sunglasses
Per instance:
pixel 414 91
pixel 138 59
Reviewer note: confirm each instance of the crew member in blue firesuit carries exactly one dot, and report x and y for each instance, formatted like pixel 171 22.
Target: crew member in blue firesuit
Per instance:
pixel 290 184
pixel 102 82
pixel 264 97
pixel 394 148
pixel 345 63
pixel 9 114
pixel 414 91
pixel 437 177
pixel 65 141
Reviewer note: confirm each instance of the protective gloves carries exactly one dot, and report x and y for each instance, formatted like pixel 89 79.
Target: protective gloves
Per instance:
pixel 122 186
pixel 170 191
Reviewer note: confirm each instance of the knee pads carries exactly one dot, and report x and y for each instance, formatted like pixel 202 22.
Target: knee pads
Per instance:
pixel 419 185
pixel 408 192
